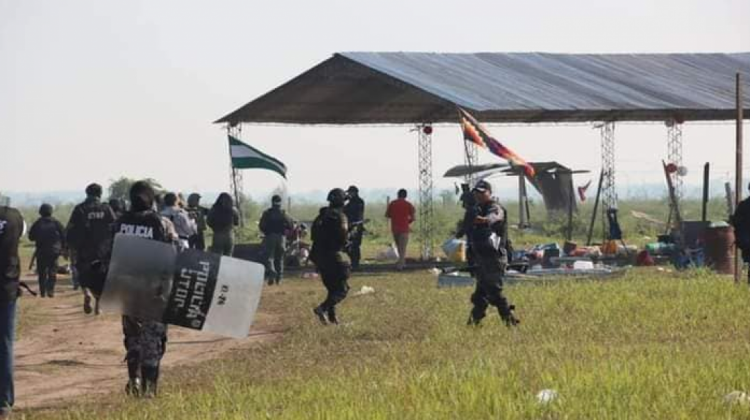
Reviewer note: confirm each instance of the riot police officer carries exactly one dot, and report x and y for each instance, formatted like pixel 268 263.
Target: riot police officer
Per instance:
pixel 145 341
pixel 355 214
pixel 488 239
pixel 274 223
pixel 329 235
pixel 48 235
pixel 89 233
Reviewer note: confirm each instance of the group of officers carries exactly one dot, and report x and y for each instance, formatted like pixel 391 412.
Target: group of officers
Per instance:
pixel 336 240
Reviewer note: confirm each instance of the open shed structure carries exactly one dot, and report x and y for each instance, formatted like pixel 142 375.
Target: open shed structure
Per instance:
pixel 420 89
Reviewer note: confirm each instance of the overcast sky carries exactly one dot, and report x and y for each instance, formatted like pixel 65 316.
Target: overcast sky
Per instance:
pixel 92 90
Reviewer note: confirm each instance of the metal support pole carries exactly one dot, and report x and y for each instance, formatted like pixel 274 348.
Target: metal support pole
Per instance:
pixel 704 202
pixel 523 223
pixel 674 155
pixel 738 173
pixel 235 175
pixel 425 190
pixel 609 192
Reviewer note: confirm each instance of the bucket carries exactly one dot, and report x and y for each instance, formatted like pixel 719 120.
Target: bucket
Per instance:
pixel 719 246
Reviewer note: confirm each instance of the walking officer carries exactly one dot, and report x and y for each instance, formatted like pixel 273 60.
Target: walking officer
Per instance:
pixel 89 234
pixel 488 240
pixel 48 235
pixel 145 341
pixel 355 214
pixel 274 224
pixel 329 234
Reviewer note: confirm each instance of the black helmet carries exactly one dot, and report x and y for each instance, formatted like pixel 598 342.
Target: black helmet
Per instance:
pixel 141 196
pixel 94 190
pixel 45 210
pixel 276 200
pixel 336 197
pixel 353 189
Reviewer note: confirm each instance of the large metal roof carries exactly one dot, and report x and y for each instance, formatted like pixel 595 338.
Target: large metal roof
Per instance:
pixel 402 87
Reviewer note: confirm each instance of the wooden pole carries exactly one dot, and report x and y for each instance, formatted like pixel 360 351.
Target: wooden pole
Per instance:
pixel 705 192
pixel 596 207
pixel 738 172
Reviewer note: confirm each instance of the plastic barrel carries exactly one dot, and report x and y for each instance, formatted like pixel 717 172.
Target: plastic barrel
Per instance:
pixel 719 246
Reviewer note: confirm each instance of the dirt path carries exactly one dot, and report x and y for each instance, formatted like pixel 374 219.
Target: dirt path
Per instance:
pixel 71 354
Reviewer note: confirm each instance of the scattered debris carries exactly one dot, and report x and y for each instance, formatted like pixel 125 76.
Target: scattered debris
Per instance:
pixel 546 396
pixel 737 398
pixel 365 290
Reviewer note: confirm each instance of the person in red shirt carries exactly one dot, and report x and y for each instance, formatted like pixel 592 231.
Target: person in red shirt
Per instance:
pixel 401 213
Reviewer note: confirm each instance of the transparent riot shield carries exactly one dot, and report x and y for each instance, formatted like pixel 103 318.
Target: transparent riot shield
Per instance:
pixel 194 289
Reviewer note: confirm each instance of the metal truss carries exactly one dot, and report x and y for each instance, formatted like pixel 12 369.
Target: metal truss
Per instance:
pixel 674 155
pixel 471 158
pixel 609 192
pixel 424 131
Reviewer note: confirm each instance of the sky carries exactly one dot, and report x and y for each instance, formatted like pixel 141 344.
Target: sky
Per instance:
pixel 94 90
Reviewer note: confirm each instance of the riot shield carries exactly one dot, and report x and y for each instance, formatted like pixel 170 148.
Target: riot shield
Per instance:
pixel 194 289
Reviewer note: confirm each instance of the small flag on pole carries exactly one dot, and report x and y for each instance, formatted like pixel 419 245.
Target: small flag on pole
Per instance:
pixel 245 156
pixel 475 133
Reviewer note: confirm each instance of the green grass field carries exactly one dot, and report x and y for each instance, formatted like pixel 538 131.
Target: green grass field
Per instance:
pixel 646 345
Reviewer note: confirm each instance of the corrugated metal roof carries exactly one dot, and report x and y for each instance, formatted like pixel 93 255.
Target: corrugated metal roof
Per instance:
pixel 398 87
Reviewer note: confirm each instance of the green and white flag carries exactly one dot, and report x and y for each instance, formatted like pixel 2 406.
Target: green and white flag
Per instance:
pixel 247 157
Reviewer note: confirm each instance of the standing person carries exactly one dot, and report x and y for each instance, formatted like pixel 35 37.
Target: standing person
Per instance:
pixel 145 341
pixel 198 214
pixel 222 218
pixel 401 213
pixel 11 230
pixel 88 235
pixel 183 225
pixel 48 235
pixel 741 222
pixel 329 232
pixel 355 214
pixel 488 240
pixel 118 207
pixel 273 224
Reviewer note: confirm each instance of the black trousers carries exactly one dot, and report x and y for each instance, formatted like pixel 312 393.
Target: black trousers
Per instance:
pixel 46 267
pixel 489 272
pixel 354 250
pixel 197 241
pixel 334 272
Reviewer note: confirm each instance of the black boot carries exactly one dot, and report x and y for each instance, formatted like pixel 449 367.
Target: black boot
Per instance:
pixel 321 314
pixel 150 377
pixel 506 314
pixel 133 387
pixel 332 316
pixel 51 288
pixel 42 289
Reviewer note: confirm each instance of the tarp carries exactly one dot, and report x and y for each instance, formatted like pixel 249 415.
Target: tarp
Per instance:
pixel 403 87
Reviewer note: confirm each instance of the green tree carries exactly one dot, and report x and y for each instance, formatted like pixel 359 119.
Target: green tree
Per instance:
pixel 120 188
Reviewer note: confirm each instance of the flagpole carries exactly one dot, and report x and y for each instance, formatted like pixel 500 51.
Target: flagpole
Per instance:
pixel 234 131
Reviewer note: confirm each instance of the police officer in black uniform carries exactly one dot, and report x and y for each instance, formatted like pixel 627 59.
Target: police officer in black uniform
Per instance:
pixel 48 235
pixel 89 235
pixel 145 341
pixel 466 225
pixel 329 235
pixel 741 222
pixel 355 214
pixel 11 230
pixel 274 223
pixel 488 238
